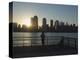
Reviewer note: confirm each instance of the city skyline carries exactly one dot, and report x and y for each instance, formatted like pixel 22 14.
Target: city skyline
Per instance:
pixel 57 27
pixel 22 13
pixel 44 22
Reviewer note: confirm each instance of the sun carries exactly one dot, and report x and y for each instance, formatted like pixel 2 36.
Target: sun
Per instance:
pixel 27 22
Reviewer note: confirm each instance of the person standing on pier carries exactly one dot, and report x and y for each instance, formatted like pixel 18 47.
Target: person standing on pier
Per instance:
pixel 42 38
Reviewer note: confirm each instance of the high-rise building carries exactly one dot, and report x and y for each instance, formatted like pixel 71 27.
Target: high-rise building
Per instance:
pixel 19 28
pixel 56 25
pixel 51 23
pixel 34 23
pixel 74 25
pixel 44 24
pixel 67 24
pixel 24 28
pixel 61 23
pixel 61 26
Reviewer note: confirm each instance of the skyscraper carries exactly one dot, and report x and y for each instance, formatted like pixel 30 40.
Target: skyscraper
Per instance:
pixel 34 23
pixel 44 24
pixel 62 27
pixel 61 23
pixel 51 23
pixel 56 25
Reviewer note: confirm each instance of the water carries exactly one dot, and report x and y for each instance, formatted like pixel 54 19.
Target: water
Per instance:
pixel 51 38
pixel 21 34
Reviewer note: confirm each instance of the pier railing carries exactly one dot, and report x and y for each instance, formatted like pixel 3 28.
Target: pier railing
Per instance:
pixel 49 40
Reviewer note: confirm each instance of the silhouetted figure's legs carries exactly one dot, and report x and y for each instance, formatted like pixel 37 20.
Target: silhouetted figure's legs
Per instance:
pixel 42 41
pixel 62 41
pixel 42 38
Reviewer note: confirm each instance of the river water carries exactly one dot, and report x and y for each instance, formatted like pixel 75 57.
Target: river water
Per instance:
pixel 33 38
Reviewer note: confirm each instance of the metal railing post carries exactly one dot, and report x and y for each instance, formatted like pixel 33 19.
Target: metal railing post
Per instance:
pixel 31 43
pixel 23 41
pixel 47 40
pixel 68 43
pixel 75 43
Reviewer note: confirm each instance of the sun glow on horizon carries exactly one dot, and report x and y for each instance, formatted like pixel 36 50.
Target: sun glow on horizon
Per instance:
pixel 27 22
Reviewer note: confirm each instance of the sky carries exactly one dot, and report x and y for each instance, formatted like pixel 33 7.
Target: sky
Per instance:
pixel 23 11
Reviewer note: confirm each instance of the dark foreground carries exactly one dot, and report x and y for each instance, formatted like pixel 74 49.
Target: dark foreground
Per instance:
pixel 35 51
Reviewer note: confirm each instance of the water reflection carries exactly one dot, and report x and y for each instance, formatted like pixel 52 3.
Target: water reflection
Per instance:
pixel 32 39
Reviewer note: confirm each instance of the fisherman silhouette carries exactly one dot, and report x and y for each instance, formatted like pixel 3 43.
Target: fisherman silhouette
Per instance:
pixel 42 38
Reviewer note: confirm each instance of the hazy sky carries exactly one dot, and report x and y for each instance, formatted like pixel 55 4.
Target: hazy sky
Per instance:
pixel 22 12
